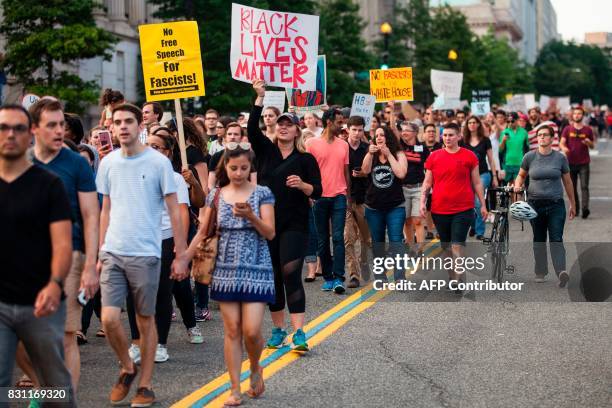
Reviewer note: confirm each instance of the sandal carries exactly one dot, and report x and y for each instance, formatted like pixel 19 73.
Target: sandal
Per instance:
pixel 81 338
pixel 257 386
pixel 233 400
pixel 24 382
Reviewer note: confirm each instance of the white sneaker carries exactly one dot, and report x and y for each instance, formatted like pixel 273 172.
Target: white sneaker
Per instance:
pixel 195 335
pixel 134 353
pixel 161 354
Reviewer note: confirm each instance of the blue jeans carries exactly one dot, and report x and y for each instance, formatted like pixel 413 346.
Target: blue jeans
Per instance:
pixel 550 221
pixel 313 239
pixel 43 339
pixel 334 209
pixel 485 179
pixel 391 221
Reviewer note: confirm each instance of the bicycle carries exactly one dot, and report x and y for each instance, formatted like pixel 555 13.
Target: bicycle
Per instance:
pixel 499 240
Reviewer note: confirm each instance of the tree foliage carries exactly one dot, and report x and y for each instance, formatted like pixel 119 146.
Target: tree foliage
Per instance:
pixel 422 38
pixel 45 38
pixel 581 71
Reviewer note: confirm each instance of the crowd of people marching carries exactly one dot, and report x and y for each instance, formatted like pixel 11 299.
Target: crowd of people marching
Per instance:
pixel 109 220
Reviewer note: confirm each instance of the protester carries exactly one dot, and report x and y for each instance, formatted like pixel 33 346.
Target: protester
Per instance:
pixel 152 112
pixel 332 155
pixel 130 234
pixel 548 172
pixel 310 120
pixel 48 127
pixel 514 142
pixel 534 118
pixel 293 176
pixel 108 101
pixel 313 265
pixel 210 123
pixel 355 227
pixel 475 140
pixel 35 216
pixel 233 134
pixel 270 116
pixel 73 128
pixel 416 155
pixel 454 175
pixel 386 165
pixel 576 140
pixel 196 149
pixel 243 280
pixel 374 124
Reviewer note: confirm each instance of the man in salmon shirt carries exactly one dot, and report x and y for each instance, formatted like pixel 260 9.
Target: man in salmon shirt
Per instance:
pixel 332 155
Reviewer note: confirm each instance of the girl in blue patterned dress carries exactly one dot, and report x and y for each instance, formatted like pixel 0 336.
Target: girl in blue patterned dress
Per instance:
pixel 243 279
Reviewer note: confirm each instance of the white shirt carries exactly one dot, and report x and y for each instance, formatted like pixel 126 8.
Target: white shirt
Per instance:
pixel 182 195
pixel 137 186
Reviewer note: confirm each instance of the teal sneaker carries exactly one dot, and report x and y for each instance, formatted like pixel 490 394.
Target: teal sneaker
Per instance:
pixel 278 338
pixel 327 286
pixel 338 286
pixel 299 340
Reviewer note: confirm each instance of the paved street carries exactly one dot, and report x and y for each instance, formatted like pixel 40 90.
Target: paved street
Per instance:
pixel 533 349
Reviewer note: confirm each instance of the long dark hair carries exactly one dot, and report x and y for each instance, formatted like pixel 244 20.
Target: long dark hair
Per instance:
pixel 169 143
pixel 390 140
pixel 467 135
pixel 191 132
pixel 222 177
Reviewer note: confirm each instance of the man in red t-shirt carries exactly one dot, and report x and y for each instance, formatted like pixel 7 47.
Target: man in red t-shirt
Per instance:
pixel 576 140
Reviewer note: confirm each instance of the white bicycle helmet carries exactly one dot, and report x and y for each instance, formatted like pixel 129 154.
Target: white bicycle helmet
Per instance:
pixel 522 211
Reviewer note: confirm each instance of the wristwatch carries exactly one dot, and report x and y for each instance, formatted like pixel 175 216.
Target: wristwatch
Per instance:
pixel 59 281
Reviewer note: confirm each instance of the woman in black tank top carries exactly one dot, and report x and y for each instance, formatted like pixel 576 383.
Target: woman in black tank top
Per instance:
pixel 386 164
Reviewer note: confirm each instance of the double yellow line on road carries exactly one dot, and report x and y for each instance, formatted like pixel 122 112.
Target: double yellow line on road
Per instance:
pixel 217 391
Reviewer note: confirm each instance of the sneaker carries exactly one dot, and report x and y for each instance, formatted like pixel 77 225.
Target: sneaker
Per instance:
pixel 353 283
pixel 563 279
pixel 202 314
pixel 144 397
pixel 585 213
pixel 540 279
pixel 134 353
pixel 121 390
pixel 299 341
pixel 327 286
pixel 161 354
pixel 195 335
pixel 338 286
pixel 278 338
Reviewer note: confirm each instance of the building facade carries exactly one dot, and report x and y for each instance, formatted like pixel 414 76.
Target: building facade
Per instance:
pixel 601 39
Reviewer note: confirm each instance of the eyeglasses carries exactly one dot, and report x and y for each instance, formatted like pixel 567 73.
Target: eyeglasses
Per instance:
pixel 235 145
pixel 18 129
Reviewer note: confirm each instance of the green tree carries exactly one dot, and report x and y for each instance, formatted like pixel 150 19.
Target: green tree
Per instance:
pixel 340 28
pixel 581 71
pixel 45 38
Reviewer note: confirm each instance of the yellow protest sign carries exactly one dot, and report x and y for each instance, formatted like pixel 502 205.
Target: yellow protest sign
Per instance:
pixel 171 61
pixel 394 84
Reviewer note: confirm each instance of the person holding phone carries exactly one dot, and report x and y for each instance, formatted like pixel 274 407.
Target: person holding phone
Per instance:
pixel 243 278
pixel 386 165
pixel 356 226
pixel 293 176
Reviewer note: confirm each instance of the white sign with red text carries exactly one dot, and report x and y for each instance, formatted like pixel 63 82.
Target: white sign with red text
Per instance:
pixel 279 47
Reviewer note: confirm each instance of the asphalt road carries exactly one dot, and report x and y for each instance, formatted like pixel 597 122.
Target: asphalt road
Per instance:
pixel 532 349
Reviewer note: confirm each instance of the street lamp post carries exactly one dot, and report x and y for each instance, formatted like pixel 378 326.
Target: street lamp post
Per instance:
pixel 385 30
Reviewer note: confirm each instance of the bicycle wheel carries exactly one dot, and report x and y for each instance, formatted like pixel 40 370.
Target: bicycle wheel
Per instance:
pixel 502 249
